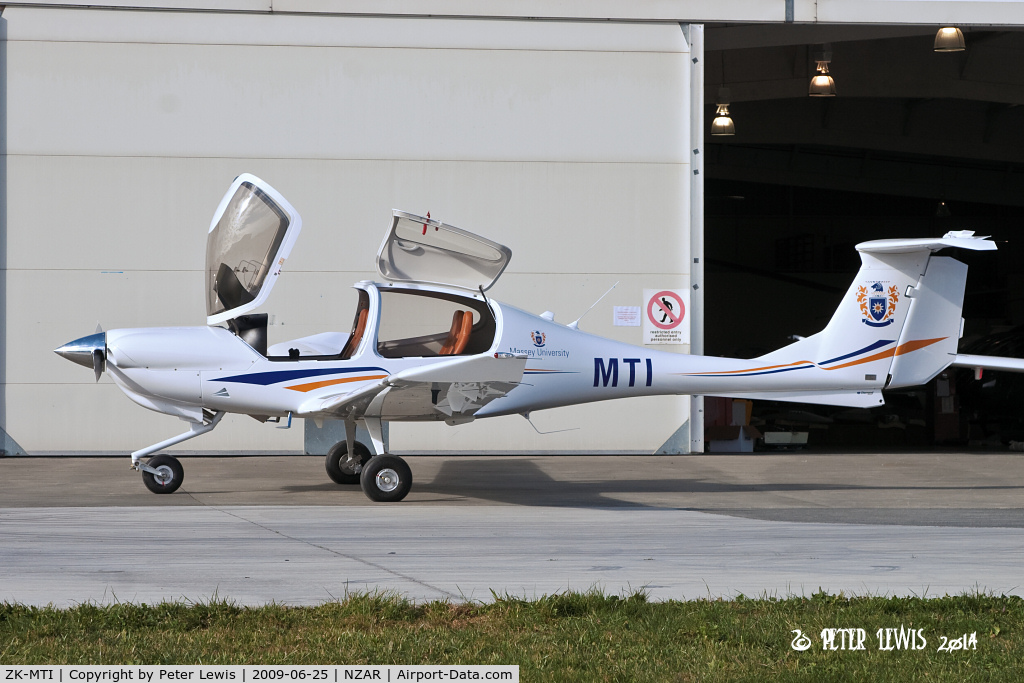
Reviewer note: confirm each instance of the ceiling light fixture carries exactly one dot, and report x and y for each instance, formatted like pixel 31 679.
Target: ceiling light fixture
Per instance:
pixel 822 84
pixel 723 124
pixel 949 39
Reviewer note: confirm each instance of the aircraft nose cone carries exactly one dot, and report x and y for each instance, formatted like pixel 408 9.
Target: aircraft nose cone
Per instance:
pixel 82 350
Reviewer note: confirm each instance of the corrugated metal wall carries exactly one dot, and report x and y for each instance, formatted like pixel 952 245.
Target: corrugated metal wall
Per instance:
pixel 566 141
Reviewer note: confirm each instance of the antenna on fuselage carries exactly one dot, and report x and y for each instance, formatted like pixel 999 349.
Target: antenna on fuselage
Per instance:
pixel 575 324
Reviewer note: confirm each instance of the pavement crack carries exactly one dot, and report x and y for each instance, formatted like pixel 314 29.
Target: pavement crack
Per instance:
pixel 337 553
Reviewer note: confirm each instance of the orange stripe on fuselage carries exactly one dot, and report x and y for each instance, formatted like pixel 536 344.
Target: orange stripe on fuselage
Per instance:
pixel 734 372
pixel 909 347
pixel 878 356
pixel 330 382
pixel 898 351
pixel 916 344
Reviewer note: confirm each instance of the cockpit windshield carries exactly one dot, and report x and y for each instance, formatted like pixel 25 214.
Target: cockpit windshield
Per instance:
pixel 242 247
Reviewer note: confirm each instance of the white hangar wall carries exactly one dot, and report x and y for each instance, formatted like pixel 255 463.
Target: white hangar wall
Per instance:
pixel 565 140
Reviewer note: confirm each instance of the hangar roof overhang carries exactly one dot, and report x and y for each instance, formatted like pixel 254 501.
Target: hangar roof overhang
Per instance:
pixel 960 12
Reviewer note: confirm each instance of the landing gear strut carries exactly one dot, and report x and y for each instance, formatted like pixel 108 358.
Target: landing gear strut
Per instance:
pixel 163 473
pixel 384 478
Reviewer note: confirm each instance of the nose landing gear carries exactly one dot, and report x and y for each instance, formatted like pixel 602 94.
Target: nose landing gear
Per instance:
pixel 163 474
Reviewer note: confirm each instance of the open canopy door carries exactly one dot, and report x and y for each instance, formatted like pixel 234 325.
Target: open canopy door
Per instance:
pixel 426 251
pixel 250 236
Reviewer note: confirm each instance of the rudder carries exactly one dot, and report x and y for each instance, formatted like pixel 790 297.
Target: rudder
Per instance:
pixel 929 339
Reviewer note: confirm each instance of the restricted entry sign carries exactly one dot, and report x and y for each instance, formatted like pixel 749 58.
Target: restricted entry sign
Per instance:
pixel 665 320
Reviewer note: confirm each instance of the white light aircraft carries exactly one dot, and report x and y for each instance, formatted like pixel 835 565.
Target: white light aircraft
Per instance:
pixel 427 344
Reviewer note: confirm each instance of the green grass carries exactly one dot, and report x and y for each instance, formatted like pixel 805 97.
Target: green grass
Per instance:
pixel 564 637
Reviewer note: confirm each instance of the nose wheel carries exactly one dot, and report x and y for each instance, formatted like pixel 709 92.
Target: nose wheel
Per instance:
pixel 163 474
pixel 386 479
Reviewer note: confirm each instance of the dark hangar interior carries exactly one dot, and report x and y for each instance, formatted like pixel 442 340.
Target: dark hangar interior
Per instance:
pixel 914 143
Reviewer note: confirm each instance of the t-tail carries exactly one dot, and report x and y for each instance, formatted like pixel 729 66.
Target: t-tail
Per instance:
pixel 897 326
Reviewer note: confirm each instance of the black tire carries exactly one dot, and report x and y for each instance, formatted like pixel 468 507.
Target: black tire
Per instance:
pixel 338 453
pixel 386 479
pixel 171 474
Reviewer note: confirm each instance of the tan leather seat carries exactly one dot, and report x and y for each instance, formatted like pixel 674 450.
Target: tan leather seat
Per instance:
pixel 463 335
pixel 448 348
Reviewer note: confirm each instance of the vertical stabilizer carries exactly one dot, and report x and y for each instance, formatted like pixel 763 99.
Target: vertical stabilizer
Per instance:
pixel 857 346
pixel 899 322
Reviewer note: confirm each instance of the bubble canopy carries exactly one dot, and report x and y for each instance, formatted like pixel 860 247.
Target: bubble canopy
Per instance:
pixel 250 236
pixel 422 250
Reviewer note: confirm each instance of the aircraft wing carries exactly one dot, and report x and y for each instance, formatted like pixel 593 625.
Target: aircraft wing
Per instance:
pixel 340 406
pixel 456 389
pixel 964 360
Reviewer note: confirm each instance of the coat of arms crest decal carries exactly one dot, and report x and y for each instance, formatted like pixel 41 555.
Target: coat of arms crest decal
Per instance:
pixel 877 304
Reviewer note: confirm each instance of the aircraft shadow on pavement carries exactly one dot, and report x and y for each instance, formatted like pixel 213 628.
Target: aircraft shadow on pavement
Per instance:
pixel 523 482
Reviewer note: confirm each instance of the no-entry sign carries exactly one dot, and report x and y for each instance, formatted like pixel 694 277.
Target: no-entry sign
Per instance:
pixel 665 316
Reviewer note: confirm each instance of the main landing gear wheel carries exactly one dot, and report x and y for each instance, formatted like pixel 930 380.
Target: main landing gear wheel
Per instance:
pixel 337 465
pixel 386 479
pixel 168 477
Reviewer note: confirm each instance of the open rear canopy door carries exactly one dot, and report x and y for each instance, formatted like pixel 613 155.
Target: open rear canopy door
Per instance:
pixel 422 250
pixel 250 236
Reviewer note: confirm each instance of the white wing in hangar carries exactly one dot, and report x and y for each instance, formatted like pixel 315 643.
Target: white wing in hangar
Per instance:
pixel 455 389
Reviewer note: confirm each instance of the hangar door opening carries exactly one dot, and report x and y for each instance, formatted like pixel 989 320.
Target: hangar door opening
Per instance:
pixel 932 146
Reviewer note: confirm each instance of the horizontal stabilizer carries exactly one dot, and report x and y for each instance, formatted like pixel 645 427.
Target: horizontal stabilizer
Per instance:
pixel 850 399
pixel 962 239
pixel 988 362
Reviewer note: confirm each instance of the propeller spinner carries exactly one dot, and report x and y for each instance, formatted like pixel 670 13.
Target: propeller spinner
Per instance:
pixel 89 351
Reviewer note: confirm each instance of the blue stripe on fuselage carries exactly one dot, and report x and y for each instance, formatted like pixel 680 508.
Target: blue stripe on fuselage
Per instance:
pixel 550 372
pixel 877 345
pixel 752 374
pixel 266 378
